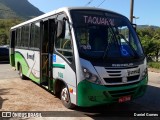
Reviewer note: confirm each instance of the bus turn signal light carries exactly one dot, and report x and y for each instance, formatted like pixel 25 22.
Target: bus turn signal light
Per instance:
pixel 70 90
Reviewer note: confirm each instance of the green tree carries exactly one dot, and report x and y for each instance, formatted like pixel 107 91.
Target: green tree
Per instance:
pixel 5 25
pixel 150 39
pixel 156 42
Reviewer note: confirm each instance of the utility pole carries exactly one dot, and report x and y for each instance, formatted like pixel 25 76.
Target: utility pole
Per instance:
pixel 131 11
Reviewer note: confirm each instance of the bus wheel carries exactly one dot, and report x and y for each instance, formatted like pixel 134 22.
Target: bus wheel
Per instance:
pixel 20 73
pixel 65 98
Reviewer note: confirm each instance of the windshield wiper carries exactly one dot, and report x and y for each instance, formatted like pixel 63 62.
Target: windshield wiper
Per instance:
pixel 114 38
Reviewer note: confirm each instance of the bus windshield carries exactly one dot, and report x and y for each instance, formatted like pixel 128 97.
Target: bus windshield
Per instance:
pixel 101 34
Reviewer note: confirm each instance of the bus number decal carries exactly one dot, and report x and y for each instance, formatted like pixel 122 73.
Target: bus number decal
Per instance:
pixel 60 75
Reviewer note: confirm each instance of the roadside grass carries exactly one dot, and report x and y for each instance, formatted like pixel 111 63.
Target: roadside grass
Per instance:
pixel 155 65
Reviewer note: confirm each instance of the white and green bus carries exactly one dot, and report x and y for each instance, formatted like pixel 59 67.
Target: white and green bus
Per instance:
pixel 87 56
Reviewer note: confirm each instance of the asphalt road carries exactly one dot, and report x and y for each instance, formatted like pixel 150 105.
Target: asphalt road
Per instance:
pixel 18 95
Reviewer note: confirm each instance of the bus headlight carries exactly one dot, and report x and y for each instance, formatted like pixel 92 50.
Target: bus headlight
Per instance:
pixel 91 77
pixel 144 73
pixel 87 74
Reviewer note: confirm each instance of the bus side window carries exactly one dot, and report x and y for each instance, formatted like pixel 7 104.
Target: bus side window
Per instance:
pixel 64 45
pixel 35 36
pixel 18 37
pixel 32 35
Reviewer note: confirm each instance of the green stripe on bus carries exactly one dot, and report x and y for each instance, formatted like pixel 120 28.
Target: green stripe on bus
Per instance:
pixel 59 66
pixel 25 67
pixel 90 94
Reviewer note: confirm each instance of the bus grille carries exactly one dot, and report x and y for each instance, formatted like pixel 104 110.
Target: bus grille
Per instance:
pixel 121 93
pixel 116 77
pixel 120 80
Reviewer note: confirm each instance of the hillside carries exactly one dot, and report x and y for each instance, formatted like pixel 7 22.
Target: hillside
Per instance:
pixel 18 9
pixel 147 26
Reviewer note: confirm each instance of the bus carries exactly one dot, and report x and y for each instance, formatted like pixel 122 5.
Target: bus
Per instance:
pixel 87 56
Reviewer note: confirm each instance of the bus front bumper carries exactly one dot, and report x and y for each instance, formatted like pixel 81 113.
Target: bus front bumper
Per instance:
pixel 90 94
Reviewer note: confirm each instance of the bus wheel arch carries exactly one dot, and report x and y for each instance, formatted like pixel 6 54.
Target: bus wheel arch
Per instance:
pixel 62 90
pixel 19 68
pixel 58 86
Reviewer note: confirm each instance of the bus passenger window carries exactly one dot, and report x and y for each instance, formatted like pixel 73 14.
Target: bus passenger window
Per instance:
pixel 64 45
pixel 35 36
pixel 18 37
pixel 25 36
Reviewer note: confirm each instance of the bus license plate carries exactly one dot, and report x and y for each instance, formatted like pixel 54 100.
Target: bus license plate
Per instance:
pixel 124 99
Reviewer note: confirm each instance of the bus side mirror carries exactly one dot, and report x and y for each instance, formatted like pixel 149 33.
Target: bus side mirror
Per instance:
pixel 134 26
pixel 61 26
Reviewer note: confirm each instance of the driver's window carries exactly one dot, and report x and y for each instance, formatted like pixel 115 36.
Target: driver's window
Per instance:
pixel 124 31
pixel 126 36
pixel 64 45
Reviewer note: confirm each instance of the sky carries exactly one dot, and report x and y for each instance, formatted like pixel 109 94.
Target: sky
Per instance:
pixel 146 11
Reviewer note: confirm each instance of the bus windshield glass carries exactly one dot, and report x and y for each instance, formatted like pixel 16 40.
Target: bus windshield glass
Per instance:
pixel 101 34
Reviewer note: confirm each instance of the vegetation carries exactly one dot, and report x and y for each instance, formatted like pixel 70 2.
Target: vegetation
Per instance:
pixel 150 39
pixel 5 25
pixel 154 65
pixel 13 12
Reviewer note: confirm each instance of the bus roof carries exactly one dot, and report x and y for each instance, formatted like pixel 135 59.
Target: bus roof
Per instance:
pixel 65 9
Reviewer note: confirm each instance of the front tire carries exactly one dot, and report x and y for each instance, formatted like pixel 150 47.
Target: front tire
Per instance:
pixel 65 98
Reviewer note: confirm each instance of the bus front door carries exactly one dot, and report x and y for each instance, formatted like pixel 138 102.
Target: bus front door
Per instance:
pixel 47 40
pixel 12 47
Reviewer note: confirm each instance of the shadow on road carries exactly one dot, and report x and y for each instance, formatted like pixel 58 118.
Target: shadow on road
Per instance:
pixel 3 92
pixel 151 99
pixel 149 102
pixel 1 102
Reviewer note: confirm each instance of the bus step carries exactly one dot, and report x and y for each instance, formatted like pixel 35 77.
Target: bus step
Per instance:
pixel 46 87
pixel 44 83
